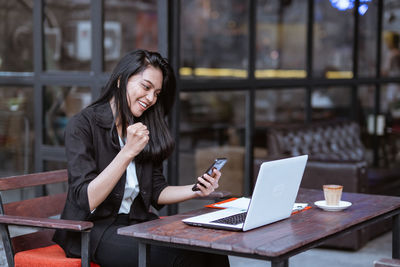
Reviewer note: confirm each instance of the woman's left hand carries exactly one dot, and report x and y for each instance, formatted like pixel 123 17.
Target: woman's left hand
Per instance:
pixel 207 184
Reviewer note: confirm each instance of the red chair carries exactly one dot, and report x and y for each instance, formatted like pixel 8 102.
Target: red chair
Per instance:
pixel 37 248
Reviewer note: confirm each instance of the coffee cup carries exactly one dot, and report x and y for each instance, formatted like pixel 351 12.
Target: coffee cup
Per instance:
pixel 333 194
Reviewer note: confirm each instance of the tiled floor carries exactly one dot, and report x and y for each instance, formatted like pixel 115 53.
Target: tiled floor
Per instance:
pixel 380 247
pixel 375 249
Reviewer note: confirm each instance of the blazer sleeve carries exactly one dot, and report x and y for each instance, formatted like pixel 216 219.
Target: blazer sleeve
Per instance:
pixel 159 183
pixel 81 162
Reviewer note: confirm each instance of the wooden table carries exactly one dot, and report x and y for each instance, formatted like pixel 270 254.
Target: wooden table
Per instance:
pixel 275 242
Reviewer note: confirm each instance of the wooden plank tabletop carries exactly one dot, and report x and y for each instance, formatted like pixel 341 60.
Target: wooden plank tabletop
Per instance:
pixel 274 239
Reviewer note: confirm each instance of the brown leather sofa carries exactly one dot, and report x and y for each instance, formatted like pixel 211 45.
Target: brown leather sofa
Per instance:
pixel 336 156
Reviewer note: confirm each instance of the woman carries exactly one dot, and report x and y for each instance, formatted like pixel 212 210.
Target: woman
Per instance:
pixel 115 149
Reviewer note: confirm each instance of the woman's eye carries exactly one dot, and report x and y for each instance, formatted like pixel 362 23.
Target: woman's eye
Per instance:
pixel 146 87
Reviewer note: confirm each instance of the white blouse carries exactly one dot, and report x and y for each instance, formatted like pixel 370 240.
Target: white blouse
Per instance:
pixel 131 186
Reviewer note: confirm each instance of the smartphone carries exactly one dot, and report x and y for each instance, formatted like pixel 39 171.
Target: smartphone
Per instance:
pixel 217 164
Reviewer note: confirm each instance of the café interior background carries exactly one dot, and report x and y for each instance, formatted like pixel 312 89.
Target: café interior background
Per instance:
pixel 242 67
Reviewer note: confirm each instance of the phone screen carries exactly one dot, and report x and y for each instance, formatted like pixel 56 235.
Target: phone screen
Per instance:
pixel 217 164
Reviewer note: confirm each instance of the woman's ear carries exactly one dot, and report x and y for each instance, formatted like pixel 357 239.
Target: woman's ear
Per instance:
pixel 118 82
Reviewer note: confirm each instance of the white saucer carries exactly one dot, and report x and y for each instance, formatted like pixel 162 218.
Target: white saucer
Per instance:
pixel 342 205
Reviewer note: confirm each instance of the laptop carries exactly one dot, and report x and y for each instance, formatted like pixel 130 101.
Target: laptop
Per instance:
pixel 273 198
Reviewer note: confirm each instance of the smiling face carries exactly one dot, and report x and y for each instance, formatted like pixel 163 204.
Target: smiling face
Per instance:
pixel 143 89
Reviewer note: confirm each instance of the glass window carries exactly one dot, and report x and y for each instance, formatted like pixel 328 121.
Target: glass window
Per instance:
pixel 279 106
pixel 128 25
pixel 273 107
pixel 67 35
pixel 16 130
pixel 212 125
pixel 331 103
pixel 333 40
pixel 16 53
pixel 61 103
pixel 388 125
pixel 366 102
pixel 368 13
pixel 214 39
pixel 57 188
pixel 390 100
pixel 390 65
pixel 365 115
pixel 281 39
pixel 54 165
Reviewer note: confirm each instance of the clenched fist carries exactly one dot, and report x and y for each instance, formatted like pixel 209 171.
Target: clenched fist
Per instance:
pixel 137 137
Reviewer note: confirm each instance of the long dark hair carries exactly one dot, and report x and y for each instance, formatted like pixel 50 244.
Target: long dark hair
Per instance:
pixel 161 142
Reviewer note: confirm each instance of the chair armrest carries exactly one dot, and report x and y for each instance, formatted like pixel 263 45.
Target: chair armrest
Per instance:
pixel 46 223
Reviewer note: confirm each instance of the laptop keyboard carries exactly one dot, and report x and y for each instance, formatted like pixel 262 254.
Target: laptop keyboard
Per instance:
pixel 234 219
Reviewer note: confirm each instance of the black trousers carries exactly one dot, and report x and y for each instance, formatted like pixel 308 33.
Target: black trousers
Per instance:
pixel 118 251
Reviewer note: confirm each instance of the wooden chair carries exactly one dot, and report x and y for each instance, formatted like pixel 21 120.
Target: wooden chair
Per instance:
pixel 37 248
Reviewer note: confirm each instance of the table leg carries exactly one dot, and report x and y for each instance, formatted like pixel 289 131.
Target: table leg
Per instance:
pixel 396 237
pixel 144 255
pixel 280 263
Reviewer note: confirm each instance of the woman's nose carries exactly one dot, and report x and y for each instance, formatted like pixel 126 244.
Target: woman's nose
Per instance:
pixel 150 97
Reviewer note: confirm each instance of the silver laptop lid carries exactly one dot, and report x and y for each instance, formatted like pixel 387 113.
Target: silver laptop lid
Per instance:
pixel 275 191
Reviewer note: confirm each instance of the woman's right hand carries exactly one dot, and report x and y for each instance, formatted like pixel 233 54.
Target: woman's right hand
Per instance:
pixel 137 137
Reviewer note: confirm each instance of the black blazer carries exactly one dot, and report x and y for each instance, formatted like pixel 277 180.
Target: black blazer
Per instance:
pixel 90 147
